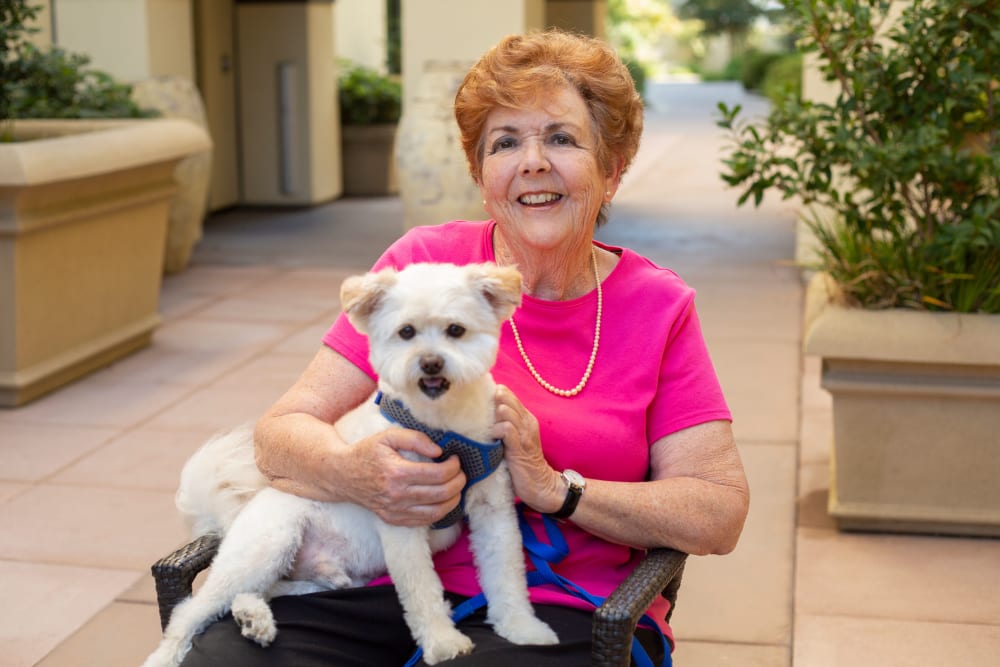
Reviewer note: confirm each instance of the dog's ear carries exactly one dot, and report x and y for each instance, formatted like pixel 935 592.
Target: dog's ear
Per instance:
pixel 500 286
pixel 361 296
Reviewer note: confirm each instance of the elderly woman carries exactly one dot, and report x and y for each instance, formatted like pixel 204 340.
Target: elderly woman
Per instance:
pixel 608 404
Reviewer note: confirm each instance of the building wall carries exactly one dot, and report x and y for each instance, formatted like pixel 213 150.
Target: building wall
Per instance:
pixel 360 32
pixel 129 39
pixel 459 30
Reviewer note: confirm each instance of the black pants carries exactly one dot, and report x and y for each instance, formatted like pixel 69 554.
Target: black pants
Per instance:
pixel 365 627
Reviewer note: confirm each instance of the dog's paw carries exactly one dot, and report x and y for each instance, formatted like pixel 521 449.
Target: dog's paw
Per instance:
pixel 255 619
pixel 447 645
pixel 525 629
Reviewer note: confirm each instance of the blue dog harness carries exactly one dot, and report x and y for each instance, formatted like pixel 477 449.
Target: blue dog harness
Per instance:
pixel 478 459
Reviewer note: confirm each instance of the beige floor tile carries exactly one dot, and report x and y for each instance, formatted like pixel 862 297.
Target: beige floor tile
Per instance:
pixel 760 381
pixel 813 394
pixel 192 352
pixel 268 307
pixel 305 341
pixel 901 577
pixel 816 434
pixel 746 596
pixel 32 452
pixel 314 285
pixel 274 372
pixel 176 303
pixel 218 407
pixel 9 490
pixel 748 311
pixel 145 458
pixel 88 526
pixel 219 280
pixel 814 494
pixel 43 604
pixel 837 641
pixel 717 654
pixel 122 635
pixel 91 403
pixel 143 590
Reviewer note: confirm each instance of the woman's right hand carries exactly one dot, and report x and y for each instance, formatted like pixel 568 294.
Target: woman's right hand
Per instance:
pixel 399 490
pixel 299 451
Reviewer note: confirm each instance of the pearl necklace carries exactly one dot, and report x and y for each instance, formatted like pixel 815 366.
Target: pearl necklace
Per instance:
pixel 566 393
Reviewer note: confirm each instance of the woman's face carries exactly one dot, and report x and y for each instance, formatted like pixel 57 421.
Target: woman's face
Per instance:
pixel 541 180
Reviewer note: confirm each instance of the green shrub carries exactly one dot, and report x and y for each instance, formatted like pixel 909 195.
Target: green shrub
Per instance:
pixel 899 177
pixel 52 83
pixel 754 67
pixel 368 97
pixel 638 72
pixel 783 78
pixel 56 84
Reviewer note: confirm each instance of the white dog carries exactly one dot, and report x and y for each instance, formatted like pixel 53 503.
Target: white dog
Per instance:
pixel 433 331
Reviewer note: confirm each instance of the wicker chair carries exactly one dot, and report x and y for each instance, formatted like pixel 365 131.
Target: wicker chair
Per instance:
pixel 659 573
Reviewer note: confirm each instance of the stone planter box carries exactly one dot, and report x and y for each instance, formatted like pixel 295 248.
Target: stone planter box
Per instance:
pixel 189 204
pixel 368 166
pixel 916 410
pixel 83 226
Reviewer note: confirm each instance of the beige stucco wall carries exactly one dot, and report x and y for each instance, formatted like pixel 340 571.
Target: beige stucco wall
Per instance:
pixel 360 32
pixel 459 30
pixel 129 39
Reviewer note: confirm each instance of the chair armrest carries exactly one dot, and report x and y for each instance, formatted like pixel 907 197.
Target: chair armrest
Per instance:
pixel 174 574
pixel 615 620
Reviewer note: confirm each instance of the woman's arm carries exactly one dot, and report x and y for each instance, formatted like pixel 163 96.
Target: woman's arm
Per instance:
pixel 696 501
pixel 298 449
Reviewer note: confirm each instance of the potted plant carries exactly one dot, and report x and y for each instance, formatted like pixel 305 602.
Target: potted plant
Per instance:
pixel 898 179
pixel 370 107
pixel 86 208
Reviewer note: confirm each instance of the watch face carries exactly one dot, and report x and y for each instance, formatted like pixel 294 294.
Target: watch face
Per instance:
pixel 574 478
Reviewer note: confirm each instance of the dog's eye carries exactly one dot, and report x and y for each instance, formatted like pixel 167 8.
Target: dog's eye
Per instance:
pixel 407 332
pixel 455 330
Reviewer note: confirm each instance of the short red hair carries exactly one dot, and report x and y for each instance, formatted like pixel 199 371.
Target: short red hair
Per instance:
pixel 520 68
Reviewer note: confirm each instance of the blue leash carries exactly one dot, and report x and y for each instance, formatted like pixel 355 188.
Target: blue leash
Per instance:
pixel 542 555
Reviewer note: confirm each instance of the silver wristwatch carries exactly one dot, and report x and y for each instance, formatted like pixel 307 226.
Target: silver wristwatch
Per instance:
pixel 576 484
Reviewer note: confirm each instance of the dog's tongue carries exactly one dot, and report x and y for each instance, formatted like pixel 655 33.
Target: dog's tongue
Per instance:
pixel 433 382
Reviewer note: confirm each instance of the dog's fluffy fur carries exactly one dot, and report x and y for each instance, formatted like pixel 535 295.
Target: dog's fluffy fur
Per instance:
pixel 433 331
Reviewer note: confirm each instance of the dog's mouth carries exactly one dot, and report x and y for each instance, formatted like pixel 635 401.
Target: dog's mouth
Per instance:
pixel 433 385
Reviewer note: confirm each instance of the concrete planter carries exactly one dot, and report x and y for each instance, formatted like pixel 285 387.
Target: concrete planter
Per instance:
pixel 83 225
pixel 188 206
pixel 916 409
pixel 368 166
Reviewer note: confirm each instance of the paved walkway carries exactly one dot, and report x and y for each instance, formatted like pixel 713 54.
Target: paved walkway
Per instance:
pixel 87 474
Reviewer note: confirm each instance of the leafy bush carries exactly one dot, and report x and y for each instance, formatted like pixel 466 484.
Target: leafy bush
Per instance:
pixel 754 67
pixel 906 161
pixel 783 78
pixel 56 84
pixel 638 72
pixel 368 97
pixel 52 83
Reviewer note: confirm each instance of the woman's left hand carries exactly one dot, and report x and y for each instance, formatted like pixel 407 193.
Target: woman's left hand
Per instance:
pixel 536 483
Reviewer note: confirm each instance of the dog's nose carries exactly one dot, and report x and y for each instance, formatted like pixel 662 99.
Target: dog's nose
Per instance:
pixel 431 364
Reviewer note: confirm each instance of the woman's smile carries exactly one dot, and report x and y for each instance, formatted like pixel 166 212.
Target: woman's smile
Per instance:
pixel 541 179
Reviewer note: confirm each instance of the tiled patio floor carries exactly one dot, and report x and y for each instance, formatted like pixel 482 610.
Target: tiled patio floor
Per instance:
pixel 87 474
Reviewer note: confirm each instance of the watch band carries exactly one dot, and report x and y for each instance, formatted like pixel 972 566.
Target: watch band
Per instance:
pixel 576 484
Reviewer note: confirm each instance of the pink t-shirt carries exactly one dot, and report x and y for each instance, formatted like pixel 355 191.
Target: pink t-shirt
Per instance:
pixel 652 377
